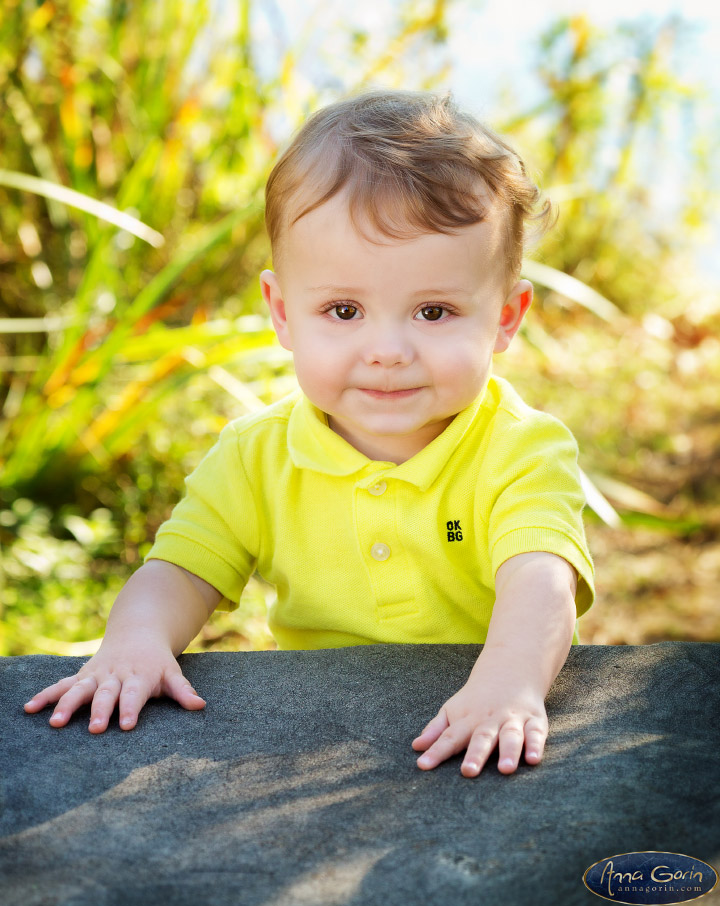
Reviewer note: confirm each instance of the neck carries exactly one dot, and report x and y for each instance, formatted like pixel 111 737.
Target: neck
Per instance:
pixel 390 448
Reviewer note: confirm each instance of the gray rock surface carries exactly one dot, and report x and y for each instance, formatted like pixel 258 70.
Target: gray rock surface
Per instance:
pixel 297 784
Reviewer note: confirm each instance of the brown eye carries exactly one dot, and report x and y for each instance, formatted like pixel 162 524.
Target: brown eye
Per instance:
pixel 345 312
pixel 432 313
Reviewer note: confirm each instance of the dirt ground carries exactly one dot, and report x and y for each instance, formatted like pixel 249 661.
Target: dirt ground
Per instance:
pixel 652 587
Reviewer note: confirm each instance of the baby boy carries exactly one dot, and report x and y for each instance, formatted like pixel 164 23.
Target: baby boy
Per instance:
pixel 403 494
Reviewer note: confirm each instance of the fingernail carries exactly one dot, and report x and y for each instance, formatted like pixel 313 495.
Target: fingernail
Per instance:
pixel 424 759
pixel 95 722
pixel 507 762
pixel 126 721
pixel 471 765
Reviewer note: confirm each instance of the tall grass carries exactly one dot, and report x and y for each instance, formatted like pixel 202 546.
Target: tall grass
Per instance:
pixel 136 140
pixel 160 110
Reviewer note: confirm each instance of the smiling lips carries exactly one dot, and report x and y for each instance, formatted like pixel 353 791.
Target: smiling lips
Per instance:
pixel 390 394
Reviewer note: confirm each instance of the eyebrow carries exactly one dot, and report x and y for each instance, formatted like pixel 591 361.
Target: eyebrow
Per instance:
pixel 443 291
pixel 431 291
pixel 333 288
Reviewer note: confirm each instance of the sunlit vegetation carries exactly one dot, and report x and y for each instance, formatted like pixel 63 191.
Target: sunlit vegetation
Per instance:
pixel 123 351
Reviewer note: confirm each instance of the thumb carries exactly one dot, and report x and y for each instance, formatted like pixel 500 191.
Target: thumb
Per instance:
pixel 178 687
pixel 432 731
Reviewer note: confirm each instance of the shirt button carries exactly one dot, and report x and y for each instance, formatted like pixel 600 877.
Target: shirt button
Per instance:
pixel 378 489
pixel 380 551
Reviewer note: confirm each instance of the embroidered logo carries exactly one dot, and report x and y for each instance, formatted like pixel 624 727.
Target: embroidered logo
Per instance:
pixel 454 531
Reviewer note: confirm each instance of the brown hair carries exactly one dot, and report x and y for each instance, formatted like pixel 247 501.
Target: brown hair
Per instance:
pixel 411 162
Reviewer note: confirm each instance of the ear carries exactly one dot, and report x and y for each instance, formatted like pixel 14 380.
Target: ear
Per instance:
pixel 272 294
pixel 513 311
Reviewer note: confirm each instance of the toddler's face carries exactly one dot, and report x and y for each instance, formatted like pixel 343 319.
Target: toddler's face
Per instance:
pixel 391 340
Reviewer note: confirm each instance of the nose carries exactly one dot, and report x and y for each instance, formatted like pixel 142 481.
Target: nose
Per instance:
pixel 387 346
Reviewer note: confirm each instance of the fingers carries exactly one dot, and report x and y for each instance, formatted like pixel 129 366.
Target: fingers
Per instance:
pixel 453 740
pixel 510 738
pixel 134 694
pixel 106 690
pixel 437 725
pixel 103 704
pixel 510 745
pixel 481 745
pixel 536 731
pixel 80 693
pixel 177 687
pixel 49 695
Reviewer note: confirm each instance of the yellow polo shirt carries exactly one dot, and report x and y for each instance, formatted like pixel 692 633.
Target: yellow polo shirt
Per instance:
pixel 362 551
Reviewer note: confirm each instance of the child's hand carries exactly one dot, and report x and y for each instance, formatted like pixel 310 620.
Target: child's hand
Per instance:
pixel 159 611
pixel 487 711
pixel 124 675
pixel 503 702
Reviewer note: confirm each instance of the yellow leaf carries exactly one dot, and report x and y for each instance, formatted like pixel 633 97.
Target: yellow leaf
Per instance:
pixel 83 156
pixel 70 118
pixel 41 17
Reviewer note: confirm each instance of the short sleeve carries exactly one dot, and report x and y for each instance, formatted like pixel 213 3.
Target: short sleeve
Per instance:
pixel 538 499
pixel 212 532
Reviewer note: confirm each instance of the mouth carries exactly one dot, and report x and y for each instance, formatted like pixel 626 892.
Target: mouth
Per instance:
pixel 390 394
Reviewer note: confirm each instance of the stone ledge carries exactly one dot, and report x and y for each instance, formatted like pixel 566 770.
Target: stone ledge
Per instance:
pixel 297 784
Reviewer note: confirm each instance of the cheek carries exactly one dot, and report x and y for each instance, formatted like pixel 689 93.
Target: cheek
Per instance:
pixel 458 356
pixel 460 369
pixel 318 363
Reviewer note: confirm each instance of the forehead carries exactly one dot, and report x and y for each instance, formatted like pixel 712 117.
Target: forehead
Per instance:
pixel 332 236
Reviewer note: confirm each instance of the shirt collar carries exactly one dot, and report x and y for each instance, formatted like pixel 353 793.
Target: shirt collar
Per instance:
pixel 312 444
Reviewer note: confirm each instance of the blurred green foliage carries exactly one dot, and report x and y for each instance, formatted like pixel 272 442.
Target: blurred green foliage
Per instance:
pixel 121 359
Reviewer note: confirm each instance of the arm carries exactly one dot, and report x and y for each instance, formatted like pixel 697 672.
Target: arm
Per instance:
pixel 502 703
pixel 158 612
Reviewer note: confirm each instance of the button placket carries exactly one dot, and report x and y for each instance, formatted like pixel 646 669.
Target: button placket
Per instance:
pixel 389 570
pixel 380 551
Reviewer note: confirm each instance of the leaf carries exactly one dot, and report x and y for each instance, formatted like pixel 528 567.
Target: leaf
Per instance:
pixel 629 497
pixel 571 288
pixel 598 503
pixel 48 324
pixel 74 199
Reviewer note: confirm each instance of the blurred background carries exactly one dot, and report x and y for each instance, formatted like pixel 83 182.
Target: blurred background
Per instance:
pixel 131 322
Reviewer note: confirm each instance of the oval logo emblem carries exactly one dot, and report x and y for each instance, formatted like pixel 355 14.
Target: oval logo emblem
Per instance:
pixel 650 878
